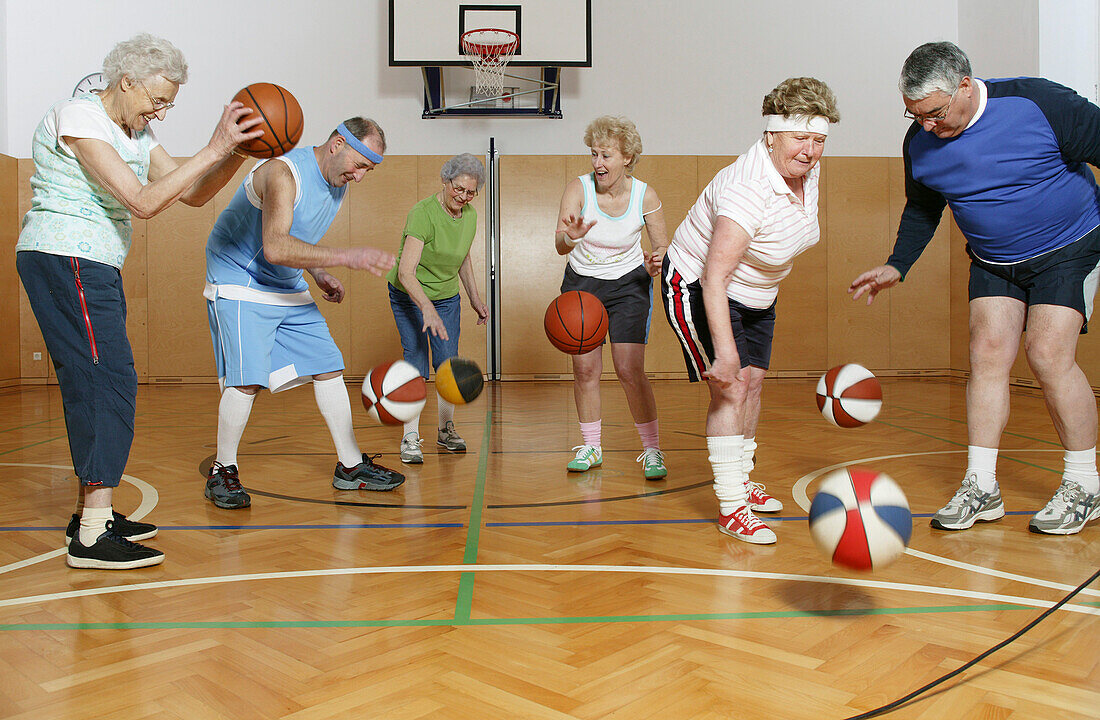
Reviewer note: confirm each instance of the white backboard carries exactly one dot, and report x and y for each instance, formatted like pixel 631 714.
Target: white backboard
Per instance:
pixel 552 33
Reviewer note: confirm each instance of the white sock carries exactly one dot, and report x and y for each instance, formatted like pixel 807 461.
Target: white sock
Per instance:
pixel 412 426
pixel 748 452
pixel 233 412
pixel 1081 468
pixel 335 407
pixel 982 463
pixel 729 475
pixel 93 523
pixel 446 412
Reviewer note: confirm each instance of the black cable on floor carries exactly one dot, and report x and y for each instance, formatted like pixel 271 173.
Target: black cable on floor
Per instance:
pixel 890 707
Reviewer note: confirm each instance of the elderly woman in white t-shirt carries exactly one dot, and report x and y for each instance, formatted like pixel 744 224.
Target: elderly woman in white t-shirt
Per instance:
pixel 97 163
pixel 721 276
pixel 600 228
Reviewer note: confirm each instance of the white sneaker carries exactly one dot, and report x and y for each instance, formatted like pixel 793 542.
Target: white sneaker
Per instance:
pixel 1067 512
pixel 411 453
pixel 588 456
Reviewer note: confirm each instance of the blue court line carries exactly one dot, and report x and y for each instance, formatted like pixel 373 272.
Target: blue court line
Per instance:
pixel 390 526
pixel 368 526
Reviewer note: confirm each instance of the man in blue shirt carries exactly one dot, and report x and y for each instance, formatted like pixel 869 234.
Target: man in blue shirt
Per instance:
pixel 265 326
pixel 1011 159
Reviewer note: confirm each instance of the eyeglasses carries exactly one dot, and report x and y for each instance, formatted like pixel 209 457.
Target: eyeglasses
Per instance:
pixel 462 192
pixel 157 103
pixel 935 118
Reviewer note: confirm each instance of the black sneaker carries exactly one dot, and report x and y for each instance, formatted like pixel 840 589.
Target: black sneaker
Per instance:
pixel 129 529
pixel 223 488
pixel 366 476
pixel 111 551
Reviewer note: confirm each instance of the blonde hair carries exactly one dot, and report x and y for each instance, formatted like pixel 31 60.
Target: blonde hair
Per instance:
pixel 802 96
pixel 619 129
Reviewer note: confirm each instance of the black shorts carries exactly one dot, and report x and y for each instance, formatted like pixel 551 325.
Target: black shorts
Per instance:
pixel 752 328
pixel 1066 277
pixel 628 300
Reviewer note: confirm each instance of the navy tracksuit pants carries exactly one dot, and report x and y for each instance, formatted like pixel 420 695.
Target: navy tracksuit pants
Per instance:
pixel 81 310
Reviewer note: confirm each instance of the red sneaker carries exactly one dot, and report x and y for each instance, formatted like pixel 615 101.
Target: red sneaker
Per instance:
pixel 759 500
pixel 743 525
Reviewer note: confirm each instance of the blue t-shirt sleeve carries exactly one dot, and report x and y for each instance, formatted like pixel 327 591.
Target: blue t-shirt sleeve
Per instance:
pixel 1073 119
pixel 920 218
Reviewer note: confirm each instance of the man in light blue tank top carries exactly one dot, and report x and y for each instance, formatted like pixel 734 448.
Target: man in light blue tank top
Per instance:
pixel 266 329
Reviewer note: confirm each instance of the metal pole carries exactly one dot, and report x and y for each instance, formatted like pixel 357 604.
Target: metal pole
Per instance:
pixel 492 261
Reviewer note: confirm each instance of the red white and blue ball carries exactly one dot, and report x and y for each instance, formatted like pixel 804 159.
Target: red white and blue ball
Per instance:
pixel 860 518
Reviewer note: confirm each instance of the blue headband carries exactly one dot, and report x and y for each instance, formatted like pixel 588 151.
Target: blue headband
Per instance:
pixel 357 144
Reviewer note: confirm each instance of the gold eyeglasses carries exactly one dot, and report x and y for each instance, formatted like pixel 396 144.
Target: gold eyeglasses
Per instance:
pixel 462 192
pixel 158 104
pixel 933 117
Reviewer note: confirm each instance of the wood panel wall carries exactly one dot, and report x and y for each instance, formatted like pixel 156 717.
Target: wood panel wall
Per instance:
pixel 918 327
pixel 9 280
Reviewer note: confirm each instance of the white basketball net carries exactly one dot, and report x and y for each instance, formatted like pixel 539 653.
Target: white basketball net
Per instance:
pixel 489 50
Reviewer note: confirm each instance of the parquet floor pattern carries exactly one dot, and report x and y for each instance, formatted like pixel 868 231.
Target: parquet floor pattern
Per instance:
pixel 497 585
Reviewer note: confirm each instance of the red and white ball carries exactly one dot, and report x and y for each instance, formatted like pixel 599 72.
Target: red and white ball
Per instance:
pixel 849 396
pixel 860 519
pixel 394 393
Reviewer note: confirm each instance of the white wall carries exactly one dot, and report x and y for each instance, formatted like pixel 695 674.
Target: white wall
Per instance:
pixel 1068 51
pixel 690 73
pixel 3 74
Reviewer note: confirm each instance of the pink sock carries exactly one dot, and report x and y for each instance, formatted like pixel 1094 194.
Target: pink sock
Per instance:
pixel 649 434
pixel 590 432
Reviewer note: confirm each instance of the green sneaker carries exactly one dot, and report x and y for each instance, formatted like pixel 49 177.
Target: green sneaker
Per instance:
pixel 588 456
pixel 653 464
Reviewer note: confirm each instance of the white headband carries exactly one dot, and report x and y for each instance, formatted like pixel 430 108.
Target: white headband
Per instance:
pixel 795 123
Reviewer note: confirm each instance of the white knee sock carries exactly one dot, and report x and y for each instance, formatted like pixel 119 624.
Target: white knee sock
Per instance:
pixel 446 412
pixel 412 426
pixel 982 462
pixel 233 412
pixel 1081 468
pixel 729 475
pixel 748 452
pixel 335 407
pixel 93 522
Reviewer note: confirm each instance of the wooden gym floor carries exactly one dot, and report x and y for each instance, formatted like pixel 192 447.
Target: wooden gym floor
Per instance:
pixel 497 585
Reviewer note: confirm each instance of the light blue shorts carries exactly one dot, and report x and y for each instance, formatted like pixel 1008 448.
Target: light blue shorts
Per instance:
pixel 273 346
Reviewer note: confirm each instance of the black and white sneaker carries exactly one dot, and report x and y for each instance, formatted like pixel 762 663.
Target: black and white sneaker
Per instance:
pixel 129 529
pixel 111 551
pixel 366 476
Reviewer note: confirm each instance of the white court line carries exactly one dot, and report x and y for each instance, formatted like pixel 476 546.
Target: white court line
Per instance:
pixel 641 569
pixel 803 500
pixel 149 499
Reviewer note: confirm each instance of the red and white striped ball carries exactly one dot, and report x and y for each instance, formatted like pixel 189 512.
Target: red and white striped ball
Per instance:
pixel 849 396
pixel 860 519
pixel 394 393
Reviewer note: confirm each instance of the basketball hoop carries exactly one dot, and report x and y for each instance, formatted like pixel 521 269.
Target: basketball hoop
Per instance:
pixel 489 50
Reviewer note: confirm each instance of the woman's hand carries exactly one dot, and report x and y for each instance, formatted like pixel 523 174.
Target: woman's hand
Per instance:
pixel 234 128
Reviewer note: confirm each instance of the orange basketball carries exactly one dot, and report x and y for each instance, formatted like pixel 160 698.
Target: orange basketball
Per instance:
pixel 282 116
pixel 576 322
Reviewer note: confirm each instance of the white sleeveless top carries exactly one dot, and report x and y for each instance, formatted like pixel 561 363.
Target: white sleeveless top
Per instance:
pixel 613 247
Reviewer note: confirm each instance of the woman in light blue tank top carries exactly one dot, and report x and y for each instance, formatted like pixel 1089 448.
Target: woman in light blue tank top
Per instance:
pixel 97 163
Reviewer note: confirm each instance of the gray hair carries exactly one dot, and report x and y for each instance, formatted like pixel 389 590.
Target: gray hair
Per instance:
pixel 363 128
pixel 933 66
pixel 142 57
pixel 464 164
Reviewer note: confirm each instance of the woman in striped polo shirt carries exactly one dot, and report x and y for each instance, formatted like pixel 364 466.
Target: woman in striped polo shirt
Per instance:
pixel 721 276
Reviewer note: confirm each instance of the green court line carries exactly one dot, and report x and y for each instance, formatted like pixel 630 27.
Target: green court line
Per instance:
pixel 1003 456
pixel 34 444
pixel 486 622
pixel 464 601
pixel 963 422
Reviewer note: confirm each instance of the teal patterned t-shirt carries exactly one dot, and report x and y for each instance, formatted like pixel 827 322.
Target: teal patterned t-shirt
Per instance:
pixel 71 213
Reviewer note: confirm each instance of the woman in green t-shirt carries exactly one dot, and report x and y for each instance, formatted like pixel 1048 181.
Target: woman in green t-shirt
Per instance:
pixel 433 260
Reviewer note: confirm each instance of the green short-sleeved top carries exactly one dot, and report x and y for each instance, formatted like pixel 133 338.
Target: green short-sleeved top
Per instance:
pixel 71 213
pixel 447 242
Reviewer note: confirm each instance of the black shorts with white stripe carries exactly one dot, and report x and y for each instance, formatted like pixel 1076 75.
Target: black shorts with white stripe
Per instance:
pixel 683 301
